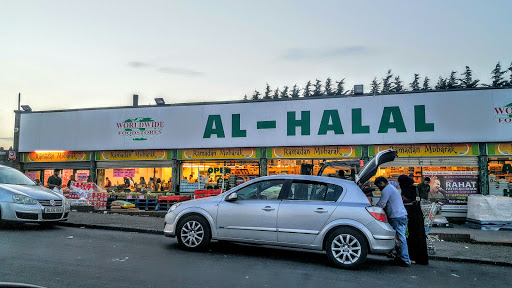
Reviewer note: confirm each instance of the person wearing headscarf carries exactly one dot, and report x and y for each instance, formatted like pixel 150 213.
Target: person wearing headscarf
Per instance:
pixel 416 241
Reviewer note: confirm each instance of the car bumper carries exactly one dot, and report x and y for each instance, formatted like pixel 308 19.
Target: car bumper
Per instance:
pixel 30 213
pixel 170 225
pixel 383 239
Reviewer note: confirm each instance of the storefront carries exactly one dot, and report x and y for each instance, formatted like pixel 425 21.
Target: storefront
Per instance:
pixel 500 168
pixel 139 166
pixel 41 165
pixel 442 135
pixel 217 168
pixel 294 160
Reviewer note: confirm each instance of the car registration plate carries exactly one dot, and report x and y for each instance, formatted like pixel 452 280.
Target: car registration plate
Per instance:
pixel 53 209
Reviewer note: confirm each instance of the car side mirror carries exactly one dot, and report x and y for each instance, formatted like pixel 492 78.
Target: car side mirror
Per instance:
pixel 232 197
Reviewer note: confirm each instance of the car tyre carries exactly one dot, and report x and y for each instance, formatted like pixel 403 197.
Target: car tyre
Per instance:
pixel 346 248
pixel 194 233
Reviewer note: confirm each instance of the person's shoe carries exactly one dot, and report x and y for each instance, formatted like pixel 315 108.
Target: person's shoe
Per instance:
pixel 399 262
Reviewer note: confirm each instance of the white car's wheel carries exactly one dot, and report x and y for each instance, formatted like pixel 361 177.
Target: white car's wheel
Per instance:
pixel 346 248
pixel 194 233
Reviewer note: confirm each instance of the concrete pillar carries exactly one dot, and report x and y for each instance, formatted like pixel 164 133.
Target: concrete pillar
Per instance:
pixel 176 169
pixel 263 162
pixel 483 170
pixel 93 167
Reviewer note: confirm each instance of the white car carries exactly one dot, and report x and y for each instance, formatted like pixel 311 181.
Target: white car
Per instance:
pixel 301 211
pixel 21 200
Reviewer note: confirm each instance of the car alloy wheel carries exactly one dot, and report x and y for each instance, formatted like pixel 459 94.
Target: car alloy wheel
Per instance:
pixel 346 249
pixel 192 234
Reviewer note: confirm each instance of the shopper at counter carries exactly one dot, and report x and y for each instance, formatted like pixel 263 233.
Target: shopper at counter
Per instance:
pixel 424 188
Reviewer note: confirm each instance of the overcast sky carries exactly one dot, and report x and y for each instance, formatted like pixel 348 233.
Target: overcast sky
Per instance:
pixel 77 54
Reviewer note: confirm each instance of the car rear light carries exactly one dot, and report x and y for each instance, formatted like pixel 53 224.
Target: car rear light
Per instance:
pixel 377 213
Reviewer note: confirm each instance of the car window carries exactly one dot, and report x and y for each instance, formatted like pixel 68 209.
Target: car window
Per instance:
pixel 13 176
pixel 314 191
pixel 264 190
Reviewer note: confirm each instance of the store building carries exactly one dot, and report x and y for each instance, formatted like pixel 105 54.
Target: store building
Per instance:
pixel 458 138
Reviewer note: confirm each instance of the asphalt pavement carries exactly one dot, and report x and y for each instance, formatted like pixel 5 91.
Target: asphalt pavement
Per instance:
pixel 474 247
pixel 74 257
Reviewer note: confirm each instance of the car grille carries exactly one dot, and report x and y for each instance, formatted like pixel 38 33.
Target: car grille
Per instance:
pixel 30 216
pixel 47 202
pixel 52 216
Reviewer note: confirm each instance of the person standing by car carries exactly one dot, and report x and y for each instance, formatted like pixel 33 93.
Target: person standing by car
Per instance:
pixel 55 180
pixel 391 202
pixel 417 240
pixel 424 188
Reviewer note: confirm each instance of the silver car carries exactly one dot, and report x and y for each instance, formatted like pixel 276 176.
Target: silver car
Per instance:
pixel 22 200
pixel 301 211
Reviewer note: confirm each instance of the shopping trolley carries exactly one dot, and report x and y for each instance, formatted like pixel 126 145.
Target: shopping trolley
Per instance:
pixel 430 210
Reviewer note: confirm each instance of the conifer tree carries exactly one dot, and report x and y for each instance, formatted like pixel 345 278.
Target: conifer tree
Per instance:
pixel 510 71
pixel 340 89
pixel 307 90
pixel 295 92
pixel 276 94
pixel 415 84
pixel 441 84
pixel 497 76
pixel 467 81
pixel 245 97
pixel 397 85
pixel 453 82
pixel 318 88
pixel 375 86
pixel 267 92
pixel 328 87
pixel 386 82
pixel 284 94
pixel 256 95
pixel 426 84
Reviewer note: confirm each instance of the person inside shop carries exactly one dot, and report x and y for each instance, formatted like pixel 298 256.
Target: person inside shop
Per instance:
pixel 132 184
pixel 126 184
pixel 436 192
pixel 424 188
pixel 108 184
pixel 71 180
pixel 55 181
pixel 151 184
pixel 417 240
pixel 158 185
pixel 391 202
pixel 38 182
pixel 169 184
pixel 341 174
pixel 142 182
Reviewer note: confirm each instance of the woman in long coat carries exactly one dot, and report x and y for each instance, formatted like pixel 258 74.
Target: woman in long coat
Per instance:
pixel 416 241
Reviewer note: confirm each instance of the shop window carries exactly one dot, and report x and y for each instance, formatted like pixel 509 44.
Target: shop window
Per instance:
pixel 314 191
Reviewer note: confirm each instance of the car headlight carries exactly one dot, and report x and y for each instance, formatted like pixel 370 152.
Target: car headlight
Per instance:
pixel 173 207
pixel 22 199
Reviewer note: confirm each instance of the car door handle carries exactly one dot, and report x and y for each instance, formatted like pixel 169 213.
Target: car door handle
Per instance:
pixel 321 210
pixel 268 208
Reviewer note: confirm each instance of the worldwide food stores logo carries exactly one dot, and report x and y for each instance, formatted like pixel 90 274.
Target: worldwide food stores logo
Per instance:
pixel 504 114
pixel 139 129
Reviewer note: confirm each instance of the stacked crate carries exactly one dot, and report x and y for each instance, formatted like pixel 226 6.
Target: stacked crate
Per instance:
pixel 206 193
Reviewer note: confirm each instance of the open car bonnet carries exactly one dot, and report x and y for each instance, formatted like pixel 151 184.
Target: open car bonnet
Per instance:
pixel 370 169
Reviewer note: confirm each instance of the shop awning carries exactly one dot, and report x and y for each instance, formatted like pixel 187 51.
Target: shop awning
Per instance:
pixel 456 161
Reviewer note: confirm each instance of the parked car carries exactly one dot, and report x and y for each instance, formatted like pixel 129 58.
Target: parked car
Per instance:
pixel 301 211
pixel 21 200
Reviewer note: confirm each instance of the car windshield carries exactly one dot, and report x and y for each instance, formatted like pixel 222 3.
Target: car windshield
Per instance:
pixel 13 176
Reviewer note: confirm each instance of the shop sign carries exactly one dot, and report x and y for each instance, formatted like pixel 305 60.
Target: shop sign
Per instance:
pixel 219 170
pixel 454 187
pixel 315 152
pixel 499 149
pixel 124 173
pixel 31 174
pixel 132 155
pixel 140 128
pixel 82 177
pixel 426 150
pixel 504 114
pixel 471 116
pixel 63 156
pixel 224 153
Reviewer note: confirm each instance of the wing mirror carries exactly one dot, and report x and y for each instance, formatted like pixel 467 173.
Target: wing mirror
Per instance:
pixel 232 197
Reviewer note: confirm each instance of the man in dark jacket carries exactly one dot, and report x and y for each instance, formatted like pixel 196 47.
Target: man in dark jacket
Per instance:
pixel 424 188
pixel 55 180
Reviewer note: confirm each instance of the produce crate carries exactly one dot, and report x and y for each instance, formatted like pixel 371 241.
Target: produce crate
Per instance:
pixel 146 204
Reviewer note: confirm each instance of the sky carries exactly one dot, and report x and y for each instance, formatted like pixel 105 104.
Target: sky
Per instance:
pixel 63 54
